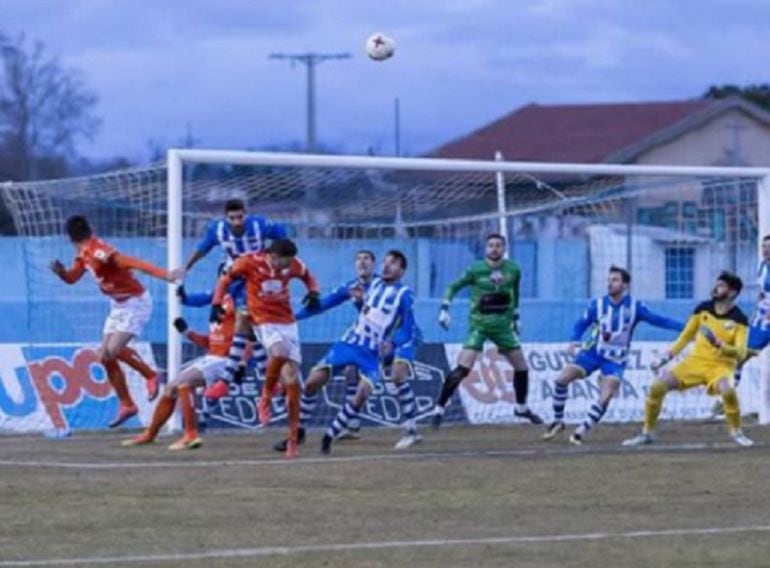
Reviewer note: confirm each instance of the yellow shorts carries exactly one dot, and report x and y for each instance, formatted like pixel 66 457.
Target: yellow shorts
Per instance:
pixel 696 372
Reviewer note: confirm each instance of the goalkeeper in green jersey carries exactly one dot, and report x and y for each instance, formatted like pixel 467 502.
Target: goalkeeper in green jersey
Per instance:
pixel 494 316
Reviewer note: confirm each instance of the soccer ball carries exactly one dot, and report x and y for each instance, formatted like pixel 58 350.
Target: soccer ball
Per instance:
pixel 380 47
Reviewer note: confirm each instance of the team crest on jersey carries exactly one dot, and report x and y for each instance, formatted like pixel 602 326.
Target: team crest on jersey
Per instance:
pixel 496 277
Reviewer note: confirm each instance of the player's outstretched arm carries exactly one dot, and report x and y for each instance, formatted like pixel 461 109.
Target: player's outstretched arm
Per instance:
pixel 331 300
pixel 588 319
pixel 125 261
pixel 407 326
pixel 208 242
pixel 69 276
pixel 687 335
pixel 197 338
pixel 643 313
pixel 467 279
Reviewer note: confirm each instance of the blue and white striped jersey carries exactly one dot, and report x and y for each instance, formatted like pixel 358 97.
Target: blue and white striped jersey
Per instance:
pixel 339 296
pixel 761 317
pixel 612 325
pixel 386 315
pixel 257 231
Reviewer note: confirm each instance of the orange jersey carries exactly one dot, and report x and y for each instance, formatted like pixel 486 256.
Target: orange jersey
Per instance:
pixel 112 270
pixel 220 336
pixel 267 288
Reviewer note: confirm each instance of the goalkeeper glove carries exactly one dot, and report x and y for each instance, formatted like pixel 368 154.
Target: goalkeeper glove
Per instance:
pixel 312 301
pixel 217 313
pixel 181 293
pixel 180 324
pixel 444 319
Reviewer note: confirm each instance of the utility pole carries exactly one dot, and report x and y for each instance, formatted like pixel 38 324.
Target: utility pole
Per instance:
pixel 310 60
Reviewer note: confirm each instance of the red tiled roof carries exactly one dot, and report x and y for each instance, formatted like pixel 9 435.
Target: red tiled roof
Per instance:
pixel 569 133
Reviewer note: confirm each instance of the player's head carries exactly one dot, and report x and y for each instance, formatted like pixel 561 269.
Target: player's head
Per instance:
pixel 78 229
pixel 393 265
pixel 281 252
pixel 235 213
pixel 766 248
pixel 727 287
pixel 495 249
pixel 365 260
pixel 618 281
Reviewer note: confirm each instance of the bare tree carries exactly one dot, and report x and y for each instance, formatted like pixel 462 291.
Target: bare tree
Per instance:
pixel 44 110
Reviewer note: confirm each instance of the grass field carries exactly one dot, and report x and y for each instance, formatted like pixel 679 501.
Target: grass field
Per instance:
pixel 467 496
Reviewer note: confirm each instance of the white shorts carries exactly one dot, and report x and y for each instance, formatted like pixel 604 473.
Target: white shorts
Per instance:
pixel 269 334
pixel 211 367
pixel 129 316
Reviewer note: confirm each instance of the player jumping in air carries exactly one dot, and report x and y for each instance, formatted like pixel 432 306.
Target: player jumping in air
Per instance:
pixel 354 291
pixel 759 331
pixel 237 233
pixel 385 323
pixel 494 316
pixel 719 329
pixel 267 277
pixel 199 372
pixel 130 306
pixel 612 320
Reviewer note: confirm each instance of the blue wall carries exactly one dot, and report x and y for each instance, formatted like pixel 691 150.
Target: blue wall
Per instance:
pixel 36 306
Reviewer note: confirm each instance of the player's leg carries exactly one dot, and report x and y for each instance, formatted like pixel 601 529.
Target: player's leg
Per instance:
pixel 369 365
pixel 130 317
pixel 349 411
pixel 308 400
pixel 578 370
pixel 610 383
pixel 291 384
pixel 112 343
pixel 282 344
pixel 401 371
pixel 729 395
pixel 189 377
pixel 131 358
pixel 465 362
pixel 243 332
pixel 353 431
pixel 515 356
pixel 666 381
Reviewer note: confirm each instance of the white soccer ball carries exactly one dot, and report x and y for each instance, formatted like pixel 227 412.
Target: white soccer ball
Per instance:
pixel 380 47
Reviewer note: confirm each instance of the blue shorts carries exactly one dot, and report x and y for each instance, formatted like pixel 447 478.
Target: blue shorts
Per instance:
pixel 758 338
pixel 589 360
pixel 237 291
pixel 342 354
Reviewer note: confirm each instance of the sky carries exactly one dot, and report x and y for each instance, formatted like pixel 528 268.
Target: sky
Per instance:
pixel 160 67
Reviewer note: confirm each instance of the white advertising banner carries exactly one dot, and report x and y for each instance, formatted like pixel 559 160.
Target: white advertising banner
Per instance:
pixel 488 397
pixel 64 387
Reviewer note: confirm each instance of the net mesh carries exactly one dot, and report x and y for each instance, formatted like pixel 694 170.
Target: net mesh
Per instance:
pixel 674 233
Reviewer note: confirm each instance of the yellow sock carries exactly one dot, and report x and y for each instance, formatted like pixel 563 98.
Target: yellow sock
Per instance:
pixel 653 404
pixel 732 409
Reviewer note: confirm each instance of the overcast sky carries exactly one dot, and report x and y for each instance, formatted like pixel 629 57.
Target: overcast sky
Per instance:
pixel 159 64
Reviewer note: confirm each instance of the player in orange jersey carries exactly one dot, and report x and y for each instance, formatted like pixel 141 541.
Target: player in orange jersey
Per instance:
pixel 197 373
pixel 267 278
pixel 130 306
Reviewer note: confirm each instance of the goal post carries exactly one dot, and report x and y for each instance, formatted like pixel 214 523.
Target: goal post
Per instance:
pixel 676 227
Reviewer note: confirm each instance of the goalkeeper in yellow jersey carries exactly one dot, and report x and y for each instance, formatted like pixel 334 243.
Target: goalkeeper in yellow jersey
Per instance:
pixel 720 331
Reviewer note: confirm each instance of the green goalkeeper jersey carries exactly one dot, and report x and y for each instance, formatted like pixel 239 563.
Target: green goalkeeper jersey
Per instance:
pixel 494 293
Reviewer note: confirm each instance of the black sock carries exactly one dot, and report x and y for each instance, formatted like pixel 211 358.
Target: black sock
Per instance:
pixel 451 382
pixel 521 386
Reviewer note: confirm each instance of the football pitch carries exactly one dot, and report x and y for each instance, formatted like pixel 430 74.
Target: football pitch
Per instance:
pixel 466 496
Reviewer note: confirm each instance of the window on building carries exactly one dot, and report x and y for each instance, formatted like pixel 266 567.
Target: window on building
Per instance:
pixel 680 272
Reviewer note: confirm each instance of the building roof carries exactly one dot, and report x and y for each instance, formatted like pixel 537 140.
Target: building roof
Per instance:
pixel 589 133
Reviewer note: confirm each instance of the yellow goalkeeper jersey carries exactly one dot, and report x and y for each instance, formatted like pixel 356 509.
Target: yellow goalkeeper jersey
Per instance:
pixel 731 329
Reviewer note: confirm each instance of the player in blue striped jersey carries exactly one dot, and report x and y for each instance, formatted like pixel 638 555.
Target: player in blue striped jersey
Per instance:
pixel 351 291
pixel 236 233
pixel 612 320
pixel 384 324
pixel 759 327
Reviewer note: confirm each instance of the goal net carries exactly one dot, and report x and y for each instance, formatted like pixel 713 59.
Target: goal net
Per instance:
pixel 675 229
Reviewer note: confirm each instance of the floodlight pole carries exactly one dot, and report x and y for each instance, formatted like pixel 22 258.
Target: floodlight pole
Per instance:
pixel 310 60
